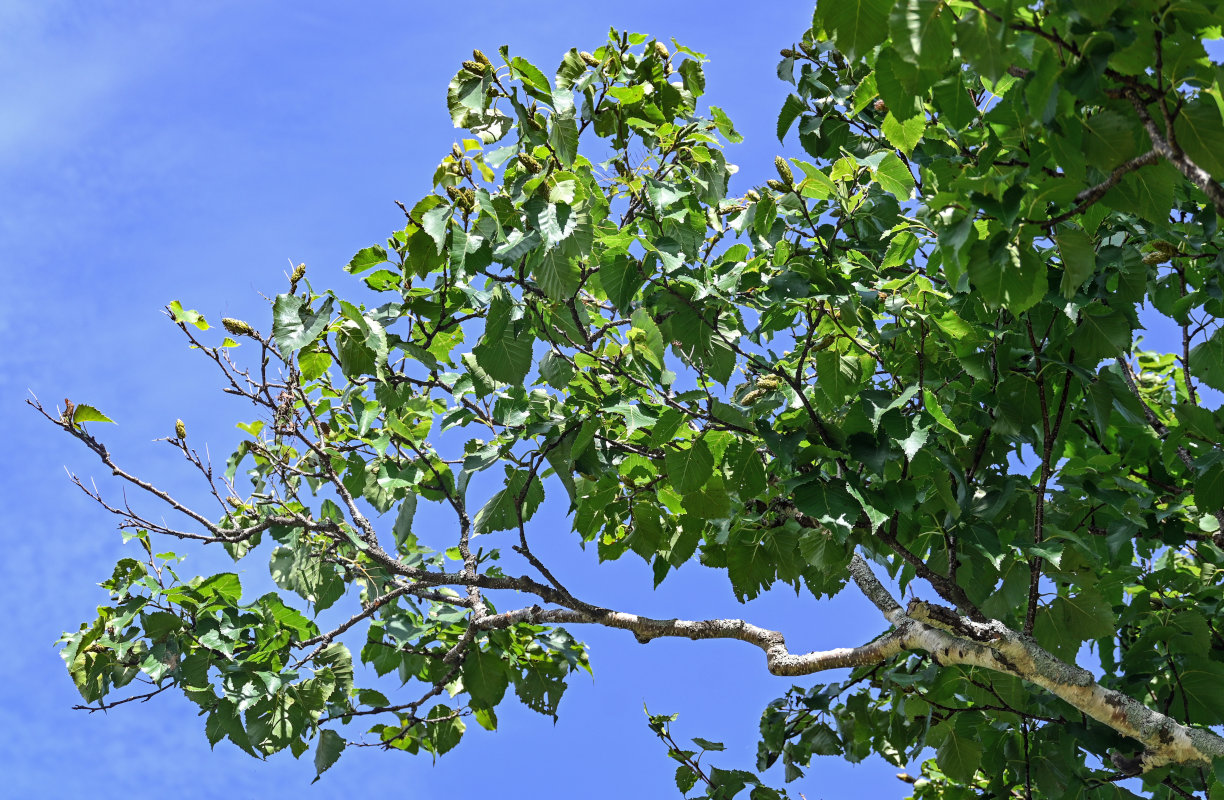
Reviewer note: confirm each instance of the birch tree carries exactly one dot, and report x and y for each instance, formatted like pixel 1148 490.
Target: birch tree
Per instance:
pixel 909 364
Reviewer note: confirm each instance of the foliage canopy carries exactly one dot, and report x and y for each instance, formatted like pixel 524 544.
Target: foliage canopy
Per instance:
pixel 915 352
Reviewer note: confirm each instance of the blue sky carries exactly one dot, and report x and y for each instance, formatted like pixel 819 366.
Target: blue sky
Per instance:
pixel 152 151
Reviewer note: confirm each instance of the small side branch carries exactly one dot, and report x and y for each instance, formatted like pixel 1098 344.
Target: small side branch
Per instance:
pixel 1092 194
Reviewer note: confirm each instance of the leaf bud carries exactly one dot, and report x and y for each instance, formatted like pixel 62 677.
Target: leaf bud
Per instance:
pixel 474 67
pixel 180 429
pixel 456 152
pixel 588 59
pixel 481 57
pixel 237 326
pixel 661 51
pixel 298 273
pixel 752 195
pixel 784 170
pixel 753 396
pixel 776 185
pixel 1164 245
pixel 529 163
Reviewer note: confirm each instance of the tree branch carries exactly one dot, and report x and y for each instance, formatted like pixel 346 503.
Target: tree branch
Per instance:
pixel 1165 740
pixel 1177 157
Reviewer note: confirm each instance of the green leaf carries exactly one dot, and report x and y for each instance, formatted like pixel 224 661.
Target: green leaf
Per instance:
pixel 87 413
pixel 892 174
pixel 827 502
pixel 1101 333
pixel 557 274
pixel 1006 276
pixel 1147 193
pixel 533 79
pixel 1209 489
pixel 1200 132
pixel 188 316
pixel 980 39
pixel 792 107
pixel 686 778
pixel 689 468
pixel 725 126
pixel 904 136
pixel 485 677
pixel 1108 139
pixel 955 106
pixel 1078 259
pixel 505 358
pixel 959 756
pixel 294 324
pixel 621 277
pixel 443 735
pixel 502 511
pixel 837 376
pixel 482 382
pixel 754 559
pixel 922 32
pixel 1083 616
pixel 402 530
pixel 434 223
pixel 932 406
pixel 336 658
pixel 915 441
pixel 1207 361
pixel 556 370
pixel 563 136
pixel 650 338
pixel 366 258
pixel 856 25
pixel 314 363
pixel 539 690
pixel 1201 682
pixel 706 744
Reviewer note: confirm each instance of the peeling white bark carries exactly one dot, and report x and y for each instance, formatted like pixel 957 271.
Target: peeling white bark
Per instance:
pixel 947 637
